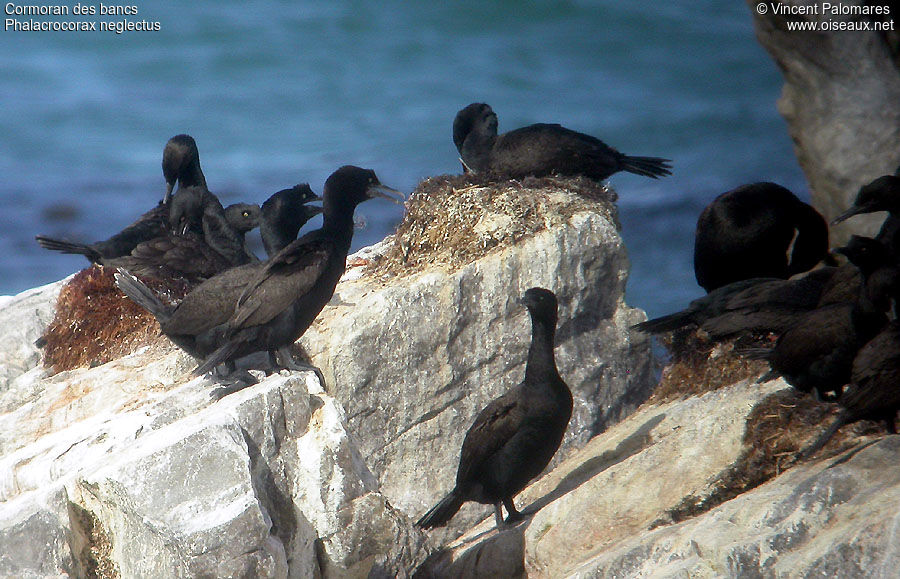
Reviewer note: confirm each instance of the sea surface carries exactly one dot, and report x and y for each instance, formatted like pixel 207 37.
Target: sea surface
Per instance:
pixel 279 92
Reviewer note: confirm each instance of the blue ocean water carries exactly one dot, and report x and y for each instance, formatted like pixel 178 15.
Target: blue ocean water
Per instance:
pixel 277 93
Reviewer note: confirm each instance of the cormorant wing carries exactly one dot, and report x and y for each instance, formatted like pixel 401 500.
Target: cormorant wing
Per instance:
pixel 493 428
pixel 283 279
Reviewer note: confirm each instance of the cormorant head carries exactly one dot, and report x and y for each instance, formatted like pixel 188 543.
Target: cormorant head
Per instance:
pixel 349 186
pixel 181 162
pixel 542 305
pixel 242 216
pixel 475 117
pixel 882 194
pixel 865 253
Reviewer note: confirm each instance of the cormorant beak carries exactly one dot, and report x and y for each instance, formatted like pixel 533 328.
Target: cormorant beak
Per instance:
pixel 854 210
pixel 313 210
pixel 313 198
pixel 385 192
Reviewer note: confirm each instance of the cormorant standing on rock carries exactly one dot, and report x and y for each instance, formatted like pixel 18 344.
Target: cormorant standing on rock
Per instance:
pixel 874 390
pixel 267 306
pixel 283 214
pixel 513 439
pixel 541 149
pixel 818 351
pixel 181 164
pixel 746 233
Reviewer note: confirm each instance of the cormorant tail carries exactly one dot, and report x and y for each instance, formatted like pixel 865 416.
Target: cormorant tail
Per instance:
pixel 647 166
pixel 69 247
pixel 824 437
pixel 664 323
pixel 441 512
pixel 219 356
pixel 142 295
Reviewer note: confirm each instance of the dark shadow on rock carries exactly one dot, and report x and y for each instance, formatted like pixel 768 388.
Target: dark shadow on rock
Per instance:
pixel 503 554
pixel 278 504
pixel 635 443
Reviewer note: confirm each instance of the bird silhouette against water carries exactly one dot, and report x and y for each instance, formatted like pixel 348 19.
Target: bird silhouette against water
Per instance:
pixel 874 391
pixel 747 232
pixel 513 439
pixel 541 149
pixel 180 164
pixel 267 306
pixel 283 214
pixel 817 352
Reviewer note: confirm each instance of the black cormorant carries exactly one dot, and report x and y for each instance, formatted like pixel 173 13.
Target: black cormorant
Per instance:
pixel 283 214
pixel 817 352
pixel 264 307
pixel 540 150
pixel 181 164
pixel 513 439
pixel 747 232
pixel 874 391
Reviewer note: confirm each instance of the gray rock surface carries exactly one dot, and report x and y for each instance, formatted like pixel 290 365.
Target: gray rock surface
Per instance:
pixel 414 360
pixel 130 469
pixel 835 517
pixel 841 100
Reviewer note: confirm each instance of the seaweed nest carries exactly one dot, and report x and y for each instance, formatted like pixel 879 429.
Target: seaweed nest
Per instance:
pixel 777 429
pixel 452 220
pixel 95 323
pixel 699 365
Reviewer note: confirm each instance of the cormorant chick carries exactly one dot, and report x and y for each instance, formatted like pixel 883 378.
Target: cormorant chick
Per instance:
pixel 191 256
pixel 181 164
pixel 873 392
pixel 746 233
pixel 513 439
pixel 882 194
pixel 818 351
pixel 267 306
pixel 541 149
pixel 283 214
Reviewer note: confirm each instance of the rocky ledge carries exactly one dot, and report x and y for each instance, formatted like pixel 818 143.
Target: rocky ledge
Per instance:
pixel 128 468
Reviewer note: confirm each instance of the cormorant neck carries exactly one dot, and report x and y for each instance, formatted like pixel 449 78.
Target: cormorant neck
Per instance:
pixel 338 223
pixel 541 360
pixel 192 175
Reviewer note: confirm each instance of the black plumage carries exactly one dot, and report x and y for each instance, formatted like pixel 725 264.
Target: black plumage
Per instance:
pixel 181 164
pixel 874 391
pixel 193 257
pixel 264 307
pixel 541 149
pixel 817 352
pixel 513 439
pixel 283 214
pixel 747 232
pixel 761 304
pixel 882 194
